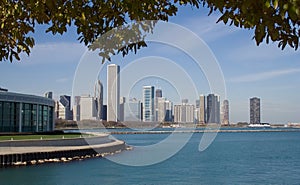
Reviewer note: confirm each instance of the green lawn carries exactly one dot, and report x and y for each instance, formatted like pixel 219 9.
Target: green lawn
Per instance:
pixel 26 137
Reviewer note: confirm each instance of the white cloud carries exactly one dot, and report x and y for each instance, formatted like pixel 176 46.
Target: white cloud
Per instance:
pixel 60 52
pixel 250 52
pixel 207 28
pixel 264 75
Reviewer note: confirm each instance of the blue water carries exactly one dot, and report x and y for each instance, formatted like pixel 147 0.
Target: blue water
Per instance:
pixel 233 158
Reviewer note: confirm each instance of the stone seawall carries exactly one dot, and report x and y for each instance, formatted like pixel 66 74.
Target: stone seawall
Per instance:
pixel 13 153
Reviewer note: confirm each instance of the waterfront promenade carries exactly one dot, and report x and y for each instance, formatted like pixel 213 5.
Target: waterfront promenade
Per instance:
pixel 57 150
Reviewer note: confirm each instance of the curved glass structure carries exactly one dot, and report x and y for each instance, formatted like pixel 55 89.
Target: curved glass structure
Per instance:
pixel 25 113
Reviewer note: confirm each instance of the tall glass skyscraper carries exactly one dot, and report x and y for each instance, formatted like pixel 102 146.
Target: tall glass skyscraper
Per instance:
pixel 148 103
pixel 113 92
pixel 213 108
pixel 254 110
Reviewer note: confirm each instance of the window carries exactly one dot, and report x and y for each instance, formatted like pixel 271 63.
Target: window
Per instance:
pixel 1 116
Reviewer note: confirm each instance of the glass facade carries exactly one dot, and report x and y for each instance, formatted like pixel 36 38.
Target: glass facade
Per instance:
pixel 148 106
pixel 25 113
pixel 9 117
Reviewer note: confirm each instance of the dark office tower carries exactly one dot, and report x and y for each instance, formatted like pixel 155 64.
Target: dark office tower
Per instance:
pixel 158 93
pixel 65 108
pixel 213 108
pixel 254 110
pixel 104 112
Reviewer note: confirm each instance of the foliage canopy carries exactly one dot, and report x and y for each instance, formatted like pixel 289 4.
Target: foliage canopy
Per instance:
pixel 273 20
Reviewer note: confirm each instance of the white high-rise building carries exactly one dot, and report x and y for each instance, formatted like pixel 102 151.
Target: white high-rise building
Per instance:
pixel 98 94
pixel 161 109
pixel 148 103
pixel 184 113
pixel 189 113
pixel 113 92
pixel 88 110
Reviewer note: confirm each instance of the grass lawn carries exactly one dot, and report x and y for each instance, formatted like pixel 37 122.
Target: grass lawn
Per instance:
pixel 27 137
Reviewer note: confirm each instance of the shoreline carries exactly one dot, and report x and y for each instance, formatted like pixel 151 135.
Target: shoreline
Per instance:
pixel 204 131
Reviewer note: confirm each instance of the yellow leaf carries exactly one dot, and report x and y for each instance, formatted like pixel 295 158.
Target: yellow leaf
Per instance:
pixel 83 16
pixel 275 3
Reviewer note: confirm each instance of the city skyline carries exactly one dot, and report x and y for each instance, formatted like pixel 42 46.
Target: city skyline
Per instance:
pixel 264 71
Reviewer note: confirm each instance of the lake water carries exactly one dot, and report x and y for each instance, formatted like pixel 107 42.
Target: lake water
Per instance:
pixel 233 158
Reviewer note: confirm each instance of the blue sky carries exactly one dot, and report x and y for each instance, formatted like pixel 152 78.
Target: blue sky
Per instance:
pixel 264 71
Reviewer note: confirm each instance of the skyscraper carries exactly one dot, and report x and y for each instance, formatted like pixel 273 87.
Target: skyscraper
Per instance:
pixel 161 109
pixel 122 104
pixel 184 113
pixel 113 92
pixel 213 108
pixel 254 110
pixel 148 103
pixel 98 94
pixel 169 111
pixel 132 110
pixel 158 93
pixel 225 112
pixel 88 108
pixel 76 108
pixel 64 108
pixel 202 112
pixel 197 111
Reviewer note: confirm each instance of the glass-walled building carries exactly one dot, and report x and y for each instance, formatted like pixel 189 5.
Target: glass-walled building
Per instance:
pixel 148 103
pixel 25 113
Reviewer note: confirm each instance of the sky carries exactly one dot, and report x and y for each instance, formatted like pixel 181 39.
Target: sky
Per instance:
pixel 263 71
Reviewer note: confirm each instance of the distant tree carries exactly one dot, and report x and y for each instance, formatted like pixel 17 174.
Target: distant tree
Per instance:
pixel 271 19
